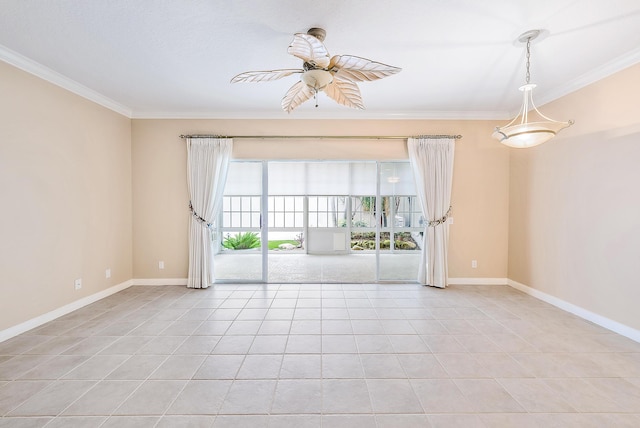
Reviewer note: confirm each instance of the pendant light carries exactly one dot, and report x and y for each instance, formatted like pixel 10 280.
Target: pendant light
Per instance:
pixel 530 127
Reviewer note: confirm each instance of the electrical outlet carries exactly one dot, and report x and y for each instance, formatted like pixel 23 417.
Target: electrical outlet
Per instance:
pixel 107 273
pixel 474 264
pixel 77 284
pixel 160 265
pixel 450 220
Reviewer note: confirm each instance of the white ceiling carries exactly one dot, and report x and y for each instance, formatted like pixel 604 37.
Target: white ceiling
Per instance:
pixel 460 58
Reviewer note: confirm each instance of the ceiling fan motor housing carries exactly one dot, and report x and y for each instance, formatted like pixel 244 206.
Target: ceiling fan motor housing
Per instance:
pixel 318 33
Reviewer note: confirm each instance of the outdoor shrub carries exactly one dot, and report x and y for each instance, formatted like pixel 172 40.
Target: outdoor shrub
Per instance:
pixel 242 241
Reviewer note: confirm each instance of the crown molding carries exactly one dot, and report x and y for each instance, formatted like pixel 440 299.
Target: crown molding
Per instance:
pixel 598 73
pixel 343 114
pixel 45 73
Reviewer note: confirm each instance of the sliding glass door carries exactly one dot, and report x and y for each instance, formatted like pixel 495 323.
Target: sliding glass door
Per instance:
pixel 304 221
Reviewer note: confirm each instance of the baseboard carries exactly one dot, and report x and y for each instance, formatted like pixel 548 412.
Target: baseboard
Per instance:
pixel 478 281
pixel 600 320
pixel 159 281
pixel 57 313
pixel 456 281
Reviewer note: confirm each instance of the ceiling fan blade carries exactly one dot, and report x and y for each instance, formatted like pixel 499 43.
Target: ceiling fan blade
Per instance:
pixel 296 95
pixel 264 76
pixel 309 49
pixel 360 69
pixel 344 92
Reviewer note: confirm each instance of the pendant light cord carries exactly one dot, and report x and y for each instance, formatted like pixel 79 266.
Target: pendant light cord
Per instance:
pixel 528 75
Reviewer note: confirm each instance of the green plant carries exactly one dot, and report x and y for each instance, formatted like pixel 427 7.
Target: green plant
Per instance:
pixel 354 223
pixel 368 203
pixel 242 241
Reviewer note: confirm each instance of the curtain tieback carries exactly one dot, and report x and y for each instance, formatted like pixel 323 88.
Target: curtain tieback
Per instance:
pixel 197 217
pixel 441 220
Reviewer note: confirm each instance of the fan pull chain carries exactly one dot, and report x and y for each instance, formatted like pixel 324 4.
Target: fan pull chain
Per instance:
pixel 315 97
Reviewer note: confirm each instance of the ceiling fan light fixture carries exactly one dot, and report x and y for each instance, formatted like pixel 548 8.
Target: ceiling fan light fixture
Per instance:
pixel 317 79
pixel 336 76
pixel 530 127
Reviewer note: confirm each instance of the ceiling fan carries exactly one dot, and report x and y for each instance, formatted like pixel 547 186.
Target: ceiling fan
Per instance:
pixel 336 76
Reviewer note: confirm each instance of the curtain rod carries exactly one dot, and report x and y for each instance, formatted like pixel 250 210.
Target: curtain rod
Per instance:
pixel 329 137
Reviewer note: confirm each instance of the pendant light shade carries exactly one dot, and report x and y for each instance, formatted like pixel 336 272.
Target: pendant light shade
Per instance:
pixel 530 127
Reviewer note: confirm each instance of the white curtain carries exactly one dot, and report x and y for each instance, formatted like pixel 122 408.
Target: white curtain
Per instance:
pixel 207 166
pixel 432 164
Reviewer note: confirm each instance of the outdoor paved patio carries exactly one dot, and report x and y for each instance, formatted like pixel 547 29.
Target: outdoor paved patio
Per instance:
pixel 307 268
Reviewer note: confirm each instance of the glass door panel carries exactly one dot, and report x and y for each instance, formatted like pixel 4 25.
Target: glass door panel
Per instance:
pixel 239 237
pixel 400 224
pixel 287 246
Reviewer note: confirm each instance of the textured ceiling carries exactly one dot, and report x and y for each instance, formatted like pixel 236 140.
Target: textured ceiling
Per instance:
pixel 460 58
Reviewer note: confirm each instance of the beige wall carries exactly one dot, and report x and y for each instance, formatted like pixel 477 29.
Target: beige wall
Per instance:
pixel 65 191
pixel 84 189
pixel 160 214
pixel 574 203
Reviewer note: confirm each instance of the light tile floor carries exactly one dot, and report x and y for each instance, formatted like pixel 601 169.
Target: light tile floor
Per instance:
pixel 312 355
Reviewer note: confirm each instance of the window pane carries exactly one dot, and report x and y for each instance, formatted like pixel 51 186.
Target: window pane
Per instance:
pixel 363 241
pixel 242 240
pixel 363 211
pixel 363 178
pixel 396 178
pixel 405 241
pixel 289 203
pixel 313 219
pixel 409 210
pixel 255 219
pixel 322 203
pixel 322 219
pixel 246 203
pixel 279 203
pixel 244 178
pixel 279 220
pixel 313 203
pixel 245 219
pixel 235 204
pixel 324 178
pixel 287 178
